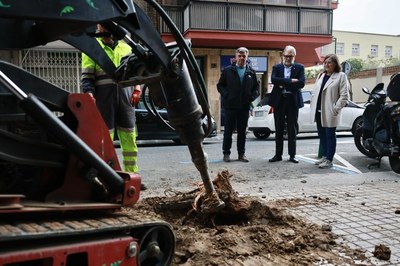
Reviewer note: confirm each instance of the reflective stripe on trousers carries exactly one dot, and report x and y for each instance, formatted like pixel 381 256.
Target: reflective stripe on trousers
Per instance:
pixel 129 149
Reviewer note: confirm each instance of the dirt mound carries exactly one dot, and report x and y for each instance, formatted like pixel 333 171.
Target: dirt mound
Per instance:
pixel 247 232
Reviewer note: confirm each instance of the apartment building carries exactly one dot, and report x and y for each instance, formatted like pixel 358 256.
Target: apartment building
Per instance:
pixel 216 29
pixel 362 45
pixel 374 49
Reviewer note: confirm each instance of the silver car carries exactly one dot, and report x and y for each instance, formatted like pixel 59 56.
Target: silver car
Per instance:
pixel 262 123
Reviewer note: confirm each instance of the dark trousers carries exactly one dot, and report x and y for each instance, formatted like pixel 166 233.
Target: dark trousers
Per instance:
pixel 115 107
pixel 235 119
pixel 286 113
pixel 327 138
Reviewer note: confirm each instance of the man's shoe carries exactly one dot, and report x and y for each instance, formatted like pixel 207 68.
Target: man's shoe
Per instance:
pixel 293 159
pixel 227 159
pixel 326 164
pixel 143 187
pixel 243 158
pixel 323 159
pixel 276 158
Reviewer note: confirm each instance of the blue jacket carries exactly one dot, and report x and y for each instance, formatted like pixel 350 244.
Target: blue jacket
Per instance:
pixel 234 94
pixel 280 82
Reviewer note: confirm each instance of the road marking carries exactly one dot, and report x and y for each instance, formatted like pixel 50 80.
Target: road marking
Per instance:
pixel 346 141
pixel 347 164
pixel 348 168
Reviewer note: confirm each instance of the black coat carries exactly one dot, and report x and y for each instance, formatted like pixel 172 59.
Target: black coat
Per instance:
pixel 235 95
pixel 280 83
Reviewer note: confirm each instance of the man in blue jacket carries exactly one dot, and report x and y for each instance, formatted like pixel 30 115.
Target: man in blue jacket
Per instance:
pixel 288 79
pixel 238 87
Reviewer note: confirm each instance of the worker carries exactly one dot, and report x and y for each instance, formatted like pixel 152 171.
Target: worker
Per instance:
pixel 116 104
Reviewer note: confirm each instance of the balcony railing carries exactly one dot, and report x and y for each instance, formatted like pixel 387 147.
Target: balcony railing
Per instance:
pixel 199 15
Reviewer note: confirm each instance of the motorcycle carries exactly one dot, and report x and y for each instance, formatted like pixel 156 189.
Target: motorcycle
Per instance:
pixel 379 134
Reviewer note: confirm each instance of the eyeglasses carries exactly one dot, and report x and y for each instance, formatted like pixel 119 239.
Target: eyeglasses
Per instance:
pixel 288 56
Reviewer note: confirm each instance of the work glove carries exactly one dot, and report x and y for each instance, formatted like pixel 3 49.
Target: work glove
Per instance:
pixel 135 97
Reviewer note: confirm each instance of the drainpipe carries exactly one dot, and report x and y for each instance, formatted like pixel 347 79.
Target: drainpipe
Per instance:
pixel 379 74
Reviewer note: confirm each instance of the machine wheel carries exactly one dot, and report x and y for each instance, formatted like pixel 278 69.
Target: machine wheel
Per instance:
pixel 357 124
pixel 157 246
pixel 395 163
pixel 359 141
pixel 262 134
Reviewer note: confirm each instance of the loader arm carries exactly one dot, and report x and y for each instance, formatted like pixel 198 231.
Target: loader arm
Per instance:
pixel 167 71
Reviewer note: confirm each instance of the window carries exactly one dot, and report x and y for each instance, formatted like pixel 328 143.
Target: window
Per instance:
pixel 174 2
pixel 340 48
pixel 355 49
pixel 281 2
pixel 275 2
pixel 315 3
pixel 374 50
pixel 388 51
pixel 245 1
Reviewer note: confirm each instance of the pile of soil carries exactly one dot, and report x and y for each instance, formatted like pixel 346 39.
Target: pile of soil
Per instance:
pixel 248 231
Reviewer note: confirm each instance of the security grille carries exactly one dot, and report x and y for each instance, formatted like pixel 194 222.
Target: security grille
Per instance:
pixel 281 19
pixel 315 21
pixel 61 68
pixel 176 16
pixel 208 16
pixel 246 17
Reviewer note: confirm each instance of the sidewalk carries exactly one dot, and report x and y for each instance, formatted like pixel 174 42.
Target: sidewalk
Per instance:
pixel 358 203
pixel 363 214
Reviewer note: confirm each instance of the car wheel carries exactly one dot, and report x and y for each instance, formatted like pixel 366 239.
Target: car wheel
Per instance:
pixel 357 124
pixel 262 134
pixel 177 141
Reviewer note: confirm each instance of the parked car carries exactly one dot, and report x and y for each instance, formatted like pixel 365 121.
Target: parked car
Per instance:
pixel 151 128
pixel 261 122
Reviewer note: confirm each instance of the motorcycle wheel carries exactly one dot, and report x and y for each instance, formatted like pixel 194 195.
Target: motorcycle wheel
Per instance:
pixel 359 141
pixel 395 163
pixel 357 124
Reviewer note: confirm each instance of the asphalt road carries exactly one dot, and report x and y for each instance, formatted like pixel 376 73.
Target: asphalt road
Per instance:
pixel 164 166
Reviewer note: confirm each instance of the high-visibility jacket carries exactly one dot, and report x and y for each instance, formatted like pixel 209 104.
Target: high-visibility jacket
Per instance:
pixel 113 101
pixel 92 74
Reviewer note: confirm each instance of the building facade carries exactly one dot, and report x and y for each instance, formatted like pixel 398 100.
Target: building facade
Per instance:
pixel 362 45
pixel 216 29
pixel 379 52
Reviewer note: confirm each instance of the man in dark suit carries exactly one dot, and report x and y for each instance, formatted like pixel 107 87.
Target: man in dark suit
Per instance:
pixel 238 86
pixel 288 79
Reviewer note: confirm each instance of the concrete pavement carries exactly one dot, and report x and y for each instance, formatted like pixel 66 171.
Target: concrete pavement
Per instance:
pixel 363 209
pixel 360 204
